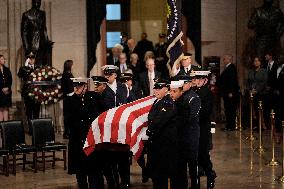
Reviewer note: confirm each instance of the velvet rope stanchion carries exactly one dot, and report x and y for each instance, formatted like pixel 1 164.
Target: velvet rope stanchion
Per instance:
pixel 251 137
pixel 240 113
pixel 260 148
pixel 273 162
pixel 281 178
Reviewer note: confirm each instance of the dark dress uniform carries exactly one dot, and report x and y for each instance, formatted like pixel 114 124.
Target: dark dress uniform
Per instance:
pixel 79 121
pixel 5 82
pixel 182 71
pixel 162 145
pixel 205 140
pixel 116 156
pixel 188 107
pixel 32 107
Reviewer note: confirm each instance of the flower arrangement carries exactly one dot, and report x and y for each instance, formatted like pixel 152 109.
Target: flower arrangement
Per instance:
pixel 45 85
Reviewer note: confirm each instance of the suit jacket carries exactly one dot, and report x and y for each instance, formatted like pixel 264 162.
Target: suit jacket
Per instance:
pixel 228 81
pixel 144 82
pixel 110 60
pixel 272 75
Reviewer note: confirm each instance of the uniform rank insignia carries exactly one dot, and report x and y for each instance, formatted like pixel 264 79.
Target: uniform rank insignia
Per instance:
pixel 164 110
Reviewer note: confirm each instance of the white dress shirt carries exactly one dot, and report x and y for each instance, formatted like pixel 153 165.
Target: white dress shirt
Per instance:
pixel 113 86
pixel 279 70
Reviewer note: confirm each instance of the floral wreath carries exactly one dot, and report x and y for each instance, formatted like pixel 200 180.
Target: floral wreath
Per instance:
pixel 45 85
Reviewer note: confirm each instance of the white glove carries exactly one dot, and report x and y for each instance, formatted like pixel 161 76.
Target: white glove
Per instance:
pixel 27 62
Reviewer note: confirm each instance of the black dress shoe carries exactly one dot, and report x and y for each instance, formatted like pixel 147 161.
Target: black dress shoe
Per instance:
pixel 211 180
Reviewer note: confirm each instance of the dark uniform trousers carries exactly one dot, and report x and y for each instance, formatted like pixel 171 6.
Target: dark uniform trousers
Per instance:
pixel 117 165
pixel 205 140
pixel 188 106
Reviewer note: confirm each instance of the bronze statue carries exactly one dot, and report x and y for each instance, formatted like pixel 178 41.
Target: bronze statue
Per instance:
pixel 34 34
pixel 268 23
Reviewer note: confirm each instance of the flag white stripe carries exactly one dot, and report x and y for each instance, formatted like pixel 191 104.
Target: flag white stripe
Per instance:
pixel 125 116
pixel 107 124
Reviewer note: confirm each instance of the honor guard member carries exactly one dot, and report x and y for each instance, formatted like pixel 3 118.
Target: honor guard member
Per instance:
pixel 188 106
pixel 31 106
pixel 116 94
pixel 205 140
pixel 88 174
pixel 94 99
pixel 162 142
pixel 186 65
pixel 133 91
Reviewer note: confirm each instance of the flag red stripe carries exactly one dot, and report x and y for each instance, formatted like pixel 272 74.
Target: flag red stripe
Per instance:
pixel 138 153
pixel 91 142
pixel 134 137
pixel 101 121
pixel 132 117
pixel 117 116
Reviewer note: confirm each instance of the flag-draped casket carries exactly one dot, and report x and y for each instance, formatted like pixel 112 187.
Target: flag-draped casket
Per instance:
pixel 125 124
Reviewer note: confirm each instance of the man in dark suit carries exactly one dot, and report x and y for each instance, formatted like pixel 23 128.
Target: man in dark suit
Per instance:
pixel 161 56
pixel 146 79
pixel 31 106
pixel 186 65
pixel 271 68
pixel 229 90
pixel 113 58
pixel 143 46
pixel 278 93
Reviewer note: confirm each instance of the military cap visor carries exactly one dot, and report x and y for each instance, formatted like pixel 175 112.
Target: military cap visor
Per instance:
pixel 79 81
pixel 186 56
pixel 109 69
pixel 98 80
pixel 31 55
pixel 161 83
pixel 201 74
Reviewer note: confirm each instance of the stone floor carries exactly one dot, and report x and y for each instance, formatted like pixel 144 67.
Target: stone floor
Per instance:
pixel 236 161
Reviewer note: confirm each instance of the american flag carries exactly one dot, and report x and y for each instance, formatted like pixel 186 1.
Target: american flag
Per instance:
pixel 174 34
pixel 125 124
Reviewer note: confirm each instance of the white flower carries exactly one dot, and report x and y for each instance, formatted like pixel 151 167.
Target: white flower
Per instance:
pixel 39 74
pixel 36 97
pixel 52 93
pixel 56 90
pixel 49 73
pixel 34 79
pixel 42 102
pixel 30 94
pixel 44 94
pixel 53 79
pixel 46 102
pixel 39 78
pixel 48 93
pixel 50 98
pixel 55 100
pixel 59 87
pixel 35 89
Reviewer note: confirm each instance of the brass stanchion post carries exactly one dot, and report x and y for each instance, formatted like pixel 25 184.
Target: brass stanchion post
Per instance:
pixel 273 162
pixel 281 178
pixel 260 148
pixel 251 137
pixel 240 113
